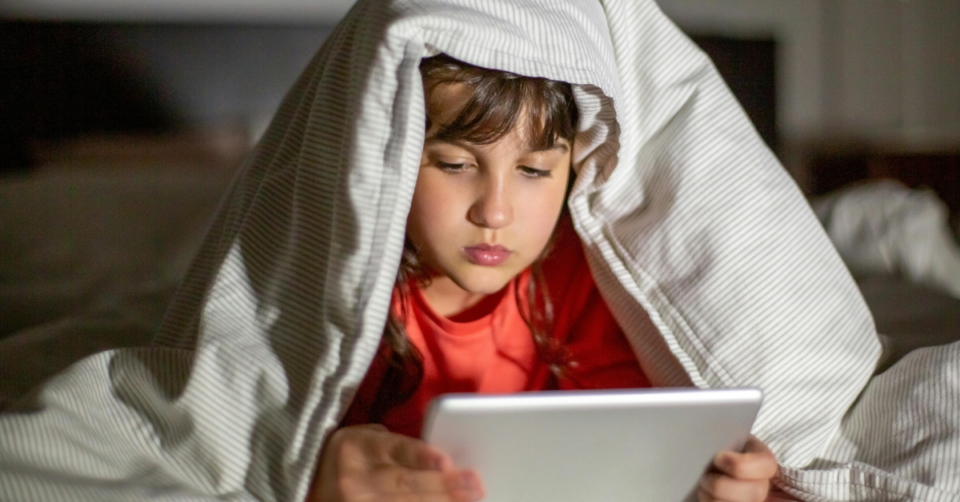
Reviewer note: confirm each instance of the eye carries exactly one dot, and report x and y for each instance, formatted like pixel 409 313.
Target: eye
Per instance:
pixel 531 172
pixel 451 167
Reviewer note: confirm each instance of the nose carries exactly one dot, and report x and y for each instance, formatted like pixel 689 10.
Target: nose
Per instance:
pixel 493 207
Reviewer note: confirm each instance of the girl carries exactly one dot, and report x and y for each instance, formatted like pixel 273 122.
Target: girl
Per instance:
pixel 492 296
pixel 709 263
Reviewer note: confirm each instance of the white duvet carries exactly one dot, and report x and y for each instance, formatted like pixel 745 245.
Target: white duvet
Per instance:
pixel 702 246
pixel 883 228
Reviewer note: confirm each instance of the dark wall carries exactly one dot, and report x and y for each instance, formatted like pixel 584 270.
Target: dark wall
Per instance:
pixel 749 66
pixel 59 80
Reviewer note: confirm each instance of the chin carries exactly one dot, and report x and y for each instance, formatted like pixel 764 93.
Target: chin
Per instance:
pixel 484 284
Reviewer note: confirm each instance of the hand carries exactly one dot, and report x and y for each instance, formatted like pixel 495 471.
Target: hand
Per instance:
pixel 739 477
pixel 370 464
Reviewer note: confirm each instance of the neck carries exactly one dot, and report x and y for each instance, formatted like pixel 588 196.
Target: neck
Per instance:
pixel 447 299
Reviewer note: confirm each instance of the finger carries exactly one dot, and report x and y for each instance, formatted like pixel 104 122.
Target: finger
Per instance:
pixel 374 427
pixel 402 480
pixel 722 487
pixel 756 462
pixel 703 496
pixel 374 444
pixel 754 445
pixel 397 483
pixel 429 497
pixel 467 483
pixel 462 485
pixel 416 454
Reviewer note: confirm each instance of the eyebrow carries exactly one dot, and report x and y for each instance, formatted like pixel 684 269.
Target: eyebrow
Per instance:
pixel 561 146
pixel 556 146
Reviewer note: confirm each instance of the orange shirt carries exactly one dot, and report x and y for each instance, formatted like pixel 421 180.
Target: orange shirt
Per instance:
pixel 489 349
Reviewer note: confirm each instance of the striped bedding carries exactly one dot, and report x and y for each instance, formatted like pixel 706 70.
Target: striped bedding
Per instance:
pixel 702 246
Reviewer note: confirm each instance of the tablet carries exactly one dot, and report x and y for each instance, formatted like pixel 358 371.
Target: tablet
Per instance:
pixel 591 446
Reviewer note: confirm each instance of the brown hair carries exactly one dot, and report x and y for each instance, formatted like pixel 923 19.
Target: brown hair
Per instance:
pixel 499 100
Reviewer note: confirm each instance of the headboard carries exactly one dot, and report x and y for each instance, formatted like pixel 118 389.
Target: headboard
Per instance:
pixel 937 169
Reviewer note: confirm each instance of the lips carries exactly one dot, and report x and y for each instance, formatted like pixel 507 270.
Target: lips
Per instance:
pixel 487 255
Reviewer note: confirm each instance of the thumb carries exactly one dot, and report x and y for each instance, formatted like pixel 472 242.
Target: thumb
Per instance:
pixel 755 462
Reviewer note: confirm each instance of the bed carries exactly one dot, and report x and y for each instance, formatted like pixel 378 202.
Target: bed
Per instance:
pixel 893 213
pixel 95 243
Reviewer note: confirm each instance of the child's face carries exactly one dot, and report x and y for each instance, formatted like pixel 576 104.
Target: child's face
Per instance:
pixel 481 214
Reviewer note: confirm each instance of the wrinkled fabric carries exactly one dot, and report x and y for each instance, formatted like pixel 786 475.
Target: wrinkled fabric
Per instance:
pixel 884 227
pixel 704 249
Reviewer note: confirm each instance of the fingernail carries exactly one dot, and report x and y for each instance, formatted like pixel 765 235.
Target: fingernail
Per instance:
pixel 725 462
pixel 467 483
pixel 475 493
pixel 436 459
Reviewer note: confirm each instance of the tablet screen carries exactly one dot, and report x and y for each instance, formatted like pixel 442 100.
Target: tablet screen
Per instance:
pixel 576 446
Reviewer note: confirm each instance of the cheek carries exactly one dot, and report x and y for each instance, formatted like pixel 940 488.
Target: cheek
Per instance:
pixel 539 210
pixel 431 211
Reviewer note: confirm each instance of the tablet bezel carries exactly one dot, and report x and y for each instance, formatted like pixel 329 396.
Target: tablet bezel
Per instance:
pixel 526 430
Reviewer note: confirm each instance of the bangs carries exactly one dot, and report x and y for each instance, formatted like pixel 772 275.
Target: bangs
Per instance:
pixel 499 102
